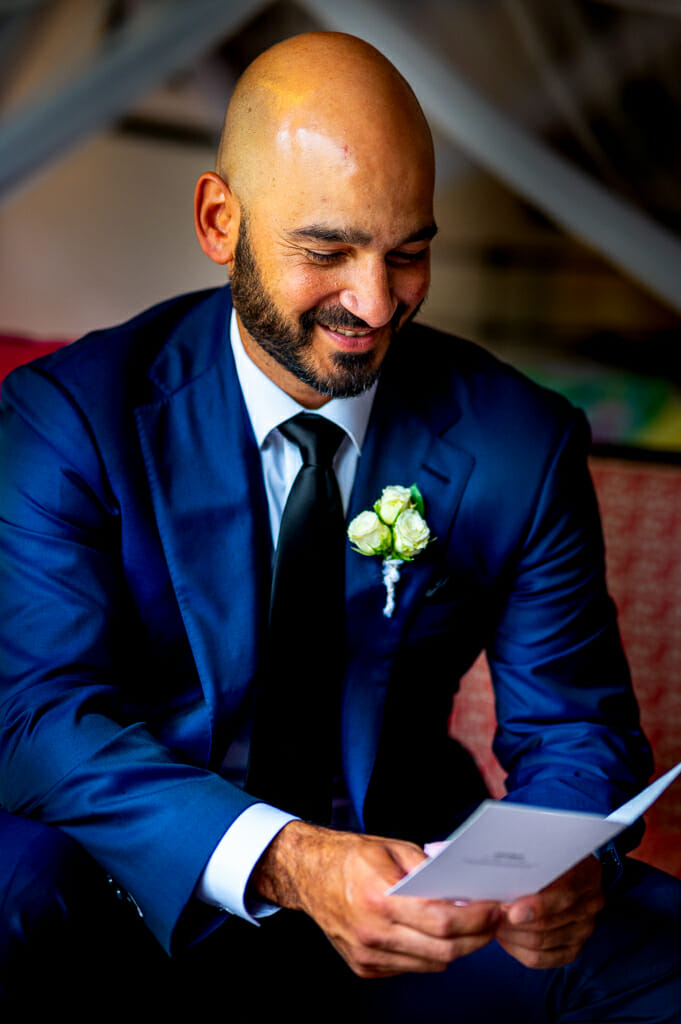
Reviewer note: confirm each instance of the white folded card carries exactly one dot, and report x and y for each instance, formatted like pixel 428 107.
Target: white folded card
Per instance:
pixel 506 850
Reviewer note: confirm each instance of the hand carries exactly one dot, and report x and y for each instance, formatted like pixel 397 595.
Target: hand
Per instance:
pixel 340 880
pixel 550 928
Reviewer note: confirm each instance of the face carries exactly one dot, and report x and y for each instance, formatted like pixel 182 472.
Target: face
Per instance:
pixel 290 342
pixel 327 269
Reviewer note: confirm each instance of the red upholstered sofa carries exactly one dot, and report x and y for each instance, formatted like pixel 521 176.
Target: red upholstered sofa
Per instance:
pixel 641 508
pixel 14 351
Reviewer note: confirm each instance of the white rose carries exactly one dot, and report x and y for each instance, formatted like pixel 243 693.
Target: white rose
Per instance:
pixel 411 533
pixel 392 503
pixel 369 535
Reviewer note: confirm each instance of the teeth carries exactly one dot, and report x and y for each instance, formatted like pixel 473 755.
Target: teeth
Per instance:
pixel 351 334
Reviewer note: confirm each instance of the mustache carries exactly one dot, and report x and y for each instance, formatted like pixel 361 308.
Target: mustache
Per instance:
pixel 338 316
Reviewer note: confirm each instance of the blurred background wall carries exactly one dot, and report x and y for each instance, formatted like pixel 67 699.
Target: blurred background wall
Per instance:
pixel 558 134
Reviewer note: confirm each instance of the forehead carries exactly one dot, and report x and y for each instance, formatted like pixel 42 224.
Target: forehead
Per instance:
pixel 347 182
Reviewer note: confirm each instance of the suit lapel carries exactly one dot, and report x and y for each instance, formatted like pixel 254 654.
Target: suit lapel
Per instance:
pixel 206 485
pixel 405 444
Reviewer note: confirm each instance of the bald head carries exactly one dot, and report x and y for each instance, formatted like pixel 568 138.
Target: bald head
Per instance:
pixel 326 88
pixel 322 212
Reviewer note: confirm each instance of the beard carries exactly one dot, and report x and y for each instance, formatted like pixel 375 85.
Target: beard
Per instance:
pixel 290 342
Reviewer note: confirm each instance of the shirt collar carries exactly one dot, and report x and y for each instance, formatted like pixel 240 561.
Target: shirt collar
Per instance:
pixel 268 405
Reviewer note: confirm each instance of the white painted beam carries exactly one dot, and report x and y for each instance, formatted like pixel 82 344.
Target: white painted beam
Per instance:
pixel 620 232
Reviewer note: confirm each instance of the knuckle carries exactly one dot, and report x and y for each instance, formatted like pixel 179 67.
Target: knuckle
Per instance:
pixel 442 927
pixel 451 951
pixel 363 962
pixel 595 904
pixel 555 907
pixel 462 947
pixel 551 941
pixel 367 937
pixel 374 901
pixel 561 957
pixel 534 958
pixel 364 970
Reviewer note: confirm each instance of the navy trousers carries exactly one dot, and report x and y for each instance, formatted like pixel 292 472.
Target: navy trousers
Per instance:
pixel 67 942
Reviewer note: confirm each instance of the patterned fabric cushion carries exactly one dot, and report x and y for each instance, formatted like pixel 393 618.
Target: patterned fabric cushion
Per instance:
pixel 641 509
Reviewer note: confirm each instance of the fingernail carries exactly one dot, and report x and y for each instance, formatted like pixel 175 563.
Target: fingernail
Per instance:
pixel 521 915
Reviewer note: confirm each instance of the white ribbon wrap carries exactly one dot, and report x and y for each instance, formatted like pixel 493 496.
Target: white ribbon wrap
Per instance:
pixel 391 575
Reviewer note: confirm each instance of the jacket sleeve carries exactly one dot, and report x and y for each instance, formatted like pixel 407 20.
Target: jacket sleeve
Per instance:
pixel 70 755
pixel 568 725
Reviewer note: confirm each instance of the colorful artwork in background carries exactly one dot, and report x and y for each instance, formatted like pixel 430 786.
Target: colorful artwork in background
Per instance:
pixel 624 408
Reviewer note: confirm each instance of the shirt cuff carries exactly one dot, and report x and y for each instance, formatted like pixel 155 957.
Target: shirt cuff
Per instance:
pixel 225 876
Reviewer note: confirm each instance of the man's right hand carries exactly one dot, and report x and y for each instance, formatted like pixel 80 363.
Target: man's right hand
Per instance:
pixel 340 879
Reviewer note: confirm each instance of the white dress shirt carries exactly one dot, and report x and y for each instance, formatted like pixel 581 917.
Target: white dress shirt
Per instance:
pixel 225 877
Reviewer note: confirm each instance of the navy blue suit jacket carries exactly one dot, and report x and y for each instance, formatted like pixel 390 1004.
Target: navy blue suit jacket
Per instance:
pixel 134 558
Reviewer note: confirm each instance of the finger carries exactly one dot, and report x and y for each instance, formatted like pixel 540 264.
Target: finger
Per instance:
pixel 443 919
pixel 550 947
pixel 377 964
pixel 434 949
pixel 573 934
pixel 375 953
pixel 577 888
pixel 542 959
pixel 407 856
pixel 541 916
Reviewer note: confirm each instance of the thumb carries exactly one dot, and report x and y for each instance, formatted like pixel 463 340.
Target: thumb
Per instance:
pixel 407 856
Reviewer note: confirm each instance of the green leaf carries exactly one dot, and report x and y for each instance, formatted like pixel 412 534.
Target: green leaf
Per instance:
pixel 376 506
pixel 418 500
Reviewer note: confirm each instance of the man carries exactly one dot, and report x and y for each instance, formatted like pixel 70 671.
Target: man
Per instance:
pixel 145 476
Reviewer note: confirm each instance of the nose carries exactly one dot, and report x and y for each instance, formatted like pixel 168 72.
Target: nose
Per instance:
pixel 369 294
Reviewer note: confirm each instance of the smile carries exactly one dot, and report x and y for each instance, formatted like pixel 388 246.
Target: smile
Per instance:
pixel 349 340
pixel 351 334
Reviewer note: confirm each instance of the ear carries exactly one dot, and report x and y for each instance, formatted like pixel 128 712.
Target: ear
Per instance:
pixel 216 217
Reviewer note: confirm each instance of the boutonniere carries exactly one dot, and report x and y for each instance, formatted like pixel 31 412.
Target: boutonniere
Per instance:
pixel 395 530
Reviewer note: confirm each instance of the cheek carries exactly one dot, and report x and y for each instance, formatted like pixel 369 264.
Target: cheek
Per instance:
pixel 306 288
pixel 413 286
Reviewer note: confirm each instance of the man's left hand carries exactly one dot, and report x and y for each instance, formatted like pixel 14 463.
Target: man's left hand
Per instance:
pixel 550 928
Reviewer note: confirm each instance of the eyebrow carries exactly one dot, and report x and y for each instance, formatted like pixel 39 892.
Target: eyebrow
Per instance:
pixel 355 236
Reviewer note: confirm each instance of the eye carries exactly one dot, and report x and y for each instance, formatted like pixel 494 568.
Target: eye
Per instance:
pixel 399 258
pixel 323 257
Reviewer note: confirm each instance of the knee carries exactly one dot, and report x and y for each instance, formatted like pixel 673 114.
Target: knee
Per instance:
pixel 649 894
pixel 639 928
pixel 630 968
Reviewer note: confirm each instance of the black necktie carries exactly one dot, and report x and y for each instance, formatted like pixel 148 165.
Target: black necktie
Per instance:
pixel 294 744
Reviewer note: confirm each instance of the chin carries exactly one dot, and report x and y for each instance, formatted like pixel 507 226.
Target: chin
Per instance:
pixel 349 375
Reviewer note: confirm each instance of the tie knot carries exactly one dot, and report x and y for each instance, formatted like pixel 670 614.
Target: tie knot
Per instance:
pixel 317 437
